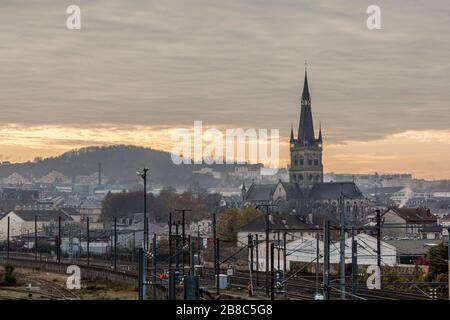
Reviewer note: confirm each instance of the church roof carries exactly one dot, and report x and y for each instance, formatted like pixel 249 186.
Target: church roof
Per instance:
pixel 319 191
pixel 276 221
pixel 260 192
pixel 333 190
pixel 293 190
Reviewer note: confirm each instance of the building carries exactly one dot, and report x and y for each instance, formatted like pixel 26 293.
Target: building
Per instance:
pixel 400 223
pixel 293 225
pixel 445 223
pixel 306 193
pixel 23 221
pixel 306 166
pixel 413 251
pixel 304 250
pixel 93 210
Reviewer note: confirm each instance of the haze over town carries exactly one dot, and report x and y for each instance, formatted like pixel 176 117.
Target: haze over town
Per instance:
pixel 139 69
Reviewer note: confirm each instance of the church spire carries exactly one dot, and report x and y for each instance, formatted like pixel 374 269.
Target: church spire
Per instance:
pixel 320 133
pixel 306 128
pixel 306 97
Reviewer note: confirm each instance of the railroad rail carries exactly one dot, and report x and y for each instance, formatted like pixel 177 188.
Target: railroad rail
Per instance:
pixel 299 288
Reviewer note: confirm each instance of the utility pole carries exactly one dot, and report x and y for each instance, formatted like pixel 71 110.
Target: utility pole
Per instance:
pixel 278 250
pixel 326 260
pixel 79 245
pixel 35 239
pixel 143 175
pixel 177 250
pixel 183 234
pixel 192 257
pixel 217 266
pixel 189 252
pixel 448 258
pixel 87 241
pixel 170 241
pixel 267 251
pixel 59 239
pixel 342 246
pixel 379 242
pixel 183 240
pixel 317 261
pixel 257 260
pixel 7 239
pixel 354 265
pixel 154 267
pixel 198 243
pixel 216 270
pixel 272 272
pixel 284 265
pixel 115 243
pixel 250 266
pixel 141 274
pixel 267 219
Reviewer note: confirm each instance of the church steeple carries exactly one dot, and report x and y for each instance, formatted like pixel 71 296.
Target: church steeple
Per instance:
pixel 306 97
pixel 320 134
pixel 306 166
pixel 306 127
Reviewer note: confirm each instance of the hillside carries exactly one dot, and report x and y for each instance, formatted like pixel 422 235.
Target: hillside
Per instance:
pixel 119 164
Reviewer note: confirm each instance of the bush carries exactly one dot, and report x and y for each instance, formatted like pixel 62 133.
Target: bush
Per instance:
pixel 9 279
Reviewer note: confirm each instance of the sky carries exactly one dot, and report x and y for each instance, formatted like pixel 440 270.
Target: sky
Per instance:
pixel 139 69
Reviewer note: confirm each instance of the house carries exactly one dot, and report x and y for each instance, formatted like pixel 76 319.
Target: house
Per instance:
pixel 93 210
pixel 431 232
pixel 402 223
pixel 445 224
pixel 293 225
pixel 22 221
pixel 413 251
pixel 397 195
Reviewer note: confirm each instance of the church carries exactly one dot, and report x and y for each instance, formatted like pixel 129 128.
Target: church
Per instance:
pixel 306 194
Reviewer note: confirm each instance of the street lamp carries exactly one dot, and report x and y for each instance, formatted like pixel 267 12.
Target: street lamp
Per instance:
pixel 143 281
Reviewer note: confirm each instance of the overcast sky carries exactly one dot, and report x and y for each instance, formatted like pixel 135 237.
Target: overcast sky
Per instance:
pixel 382 96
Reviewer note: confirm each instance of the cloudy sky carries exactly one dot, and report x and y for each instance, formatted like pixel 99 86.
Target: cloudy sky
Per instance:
pixel 138 69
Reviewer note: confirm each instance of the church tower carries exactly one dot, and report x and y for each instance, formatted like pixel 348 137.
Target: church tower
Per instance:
pixel 306 166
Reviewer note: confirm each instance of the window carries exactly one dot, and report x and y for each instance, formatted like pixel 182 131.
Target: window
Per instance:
pixel 310 162
pixel 300 177
pixel 310 177
pixel 316 162
pixel 301 161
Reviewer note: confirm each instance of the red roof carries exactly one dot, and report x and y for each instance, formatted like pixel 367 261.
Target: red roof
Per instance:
pixel 416 215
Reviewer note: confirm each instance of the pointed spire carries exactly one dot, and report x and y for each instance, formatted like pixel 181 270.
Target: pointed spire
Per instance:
pixel 292 132
pixel 306 127
pixel 320 133
pixel 305 95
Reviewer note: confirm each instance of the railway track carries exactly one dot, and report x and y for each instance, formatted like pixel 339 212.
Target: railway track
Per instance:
pixel 298 287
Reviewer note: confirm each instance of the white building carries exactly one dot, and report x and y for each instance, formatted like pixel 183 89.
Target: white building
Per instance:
pixel 304 250
pixel 23 221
